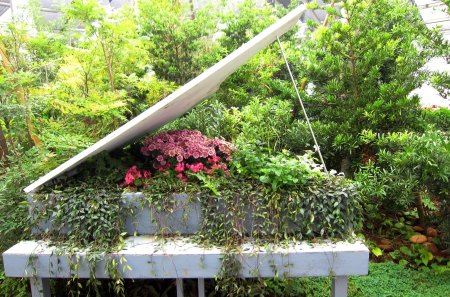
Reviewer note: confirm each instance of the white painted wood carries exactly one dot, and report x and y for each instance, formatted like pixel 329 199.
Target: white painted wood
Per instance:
pixel 427 3
pixel 201 287
pixel 40 287
pixel 181 258
pixel 180 101
pixel 339 286
pixel 179 283
pixel 433 15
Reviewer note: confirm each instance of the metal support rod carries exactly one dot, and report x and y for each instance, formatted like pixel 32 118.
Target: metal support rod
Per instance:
pixel 303 107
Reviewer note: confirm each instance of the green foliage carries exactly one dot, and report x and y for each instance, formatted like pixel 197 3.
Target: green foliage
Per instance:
pixel 441 82
pixel 178 38
pixel 407 165
pixel 279 170
pixel 16 172
pixel 146 90
pixel 257 78
pixel 242 26
pixel 13 287
pixel 447 2
pixel 88 219
pixel 243 207
pixel 417 255
pixel 88 211
pixel 256 129
pixel 211 118
pixel 362 69
pixel 389 279
pixel 358 72
pixel 440 118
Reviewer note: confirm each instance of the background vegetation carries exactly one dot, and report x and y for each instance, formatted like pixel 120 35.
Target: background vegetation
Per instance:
pixel 62 89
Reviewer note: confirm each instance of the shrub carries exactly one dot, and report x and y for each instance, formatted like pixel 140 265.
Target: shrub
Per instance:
pixel 363 68
pixel 407 168
pixel 439 118
pixel 255 128
pixel 211 118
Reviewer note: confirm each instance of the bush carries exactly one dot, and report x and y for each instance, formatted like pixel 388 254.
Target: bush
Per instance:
pixel 439 118
pixel 362 70
pixel 405 169
pixel 255 128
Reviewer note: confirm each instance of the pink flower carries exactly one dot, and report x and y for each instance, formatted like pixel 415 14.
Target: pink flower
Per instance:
pixel 186 150
pixel 180 167
pixel 147 174
pixel 182 177
pixel 131 175
pixel 197 167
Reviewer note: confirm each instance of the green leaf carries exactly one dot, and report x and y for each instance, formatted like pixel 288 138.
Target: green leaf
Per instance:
pixel 377 251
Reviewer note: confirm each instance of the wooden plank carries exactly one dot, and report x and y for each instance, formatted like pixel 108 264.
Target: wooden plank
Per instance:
pixel 427 3
pixel 201 287
pixel 180 101
pixel 181 258
pixel 443 26
pixel 40 287
pixel 179 284
pixel 433 15
pixel 339 286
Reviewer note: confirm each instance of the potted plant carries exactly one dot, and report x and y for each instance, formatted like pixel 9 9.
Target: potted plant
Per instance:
pixel 182 182
pixel 170 158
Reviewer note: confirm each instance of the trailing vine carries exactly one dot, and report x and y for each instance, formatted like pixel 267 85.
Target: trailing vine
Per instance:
pixel 261 197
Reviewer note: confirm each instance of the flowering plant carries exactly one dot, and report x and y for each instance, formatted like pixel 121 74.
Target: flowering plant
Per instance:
pixel 180 152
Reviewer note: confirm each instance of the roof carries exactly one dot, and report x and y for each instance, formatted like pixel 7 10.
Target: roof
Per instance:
pixel 180 101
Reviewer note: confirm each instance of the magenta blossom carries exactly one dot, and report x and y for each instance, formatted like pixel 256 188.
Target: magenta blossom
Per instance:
pixel 132 174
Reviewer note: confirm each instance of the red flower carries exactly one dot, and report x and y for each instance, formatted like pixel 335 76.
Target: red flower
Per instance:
pixel 180 167
pixel 131 176
pixel 197 167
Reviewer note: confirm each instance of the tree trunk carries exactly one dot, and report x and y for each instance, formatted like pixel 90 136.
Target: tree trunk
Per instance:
pixel 111 77
pixel 191 4
pixel 420 209
pixel 345 167
pixel 21 96
pixel 107 54
pixel 3 144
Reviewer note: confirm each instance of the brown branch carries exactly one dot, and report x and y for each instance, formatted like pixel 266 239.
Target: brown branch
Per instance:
pixel 325 22
pixel 3 144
